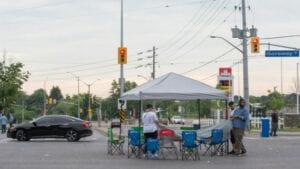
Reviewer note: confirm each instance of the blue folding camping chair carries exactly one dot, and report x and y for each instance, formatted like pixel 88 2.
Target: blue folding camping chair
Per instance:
pixel 190 145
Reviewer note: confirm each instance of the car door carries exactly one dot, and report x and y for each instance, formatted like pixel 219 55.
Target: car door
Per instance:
pixel 59 126
pixel 42 127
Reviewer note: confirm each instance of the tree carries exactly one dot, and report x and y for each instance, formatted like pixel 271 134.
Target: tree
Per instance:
pixel 115 88
pixel 55 93
pixel 35 102
pixel 274 101
pixel 12 78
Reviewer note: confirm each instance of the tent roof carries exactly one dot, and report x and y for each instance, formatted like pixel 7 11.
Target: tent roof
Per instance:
pixel 173 86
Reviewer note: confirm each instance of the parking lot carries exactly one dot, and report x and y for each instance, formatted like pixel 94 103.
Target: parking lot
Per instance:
pixel 263 153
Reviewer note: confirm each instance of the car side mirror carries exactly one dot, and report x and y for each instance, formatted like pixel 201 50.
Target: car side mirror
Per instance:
pixel 34 123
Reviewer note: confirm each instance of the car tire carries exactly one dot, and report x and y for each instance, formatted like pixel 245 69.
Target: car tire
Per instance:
pixel 72 135
pixel 21 135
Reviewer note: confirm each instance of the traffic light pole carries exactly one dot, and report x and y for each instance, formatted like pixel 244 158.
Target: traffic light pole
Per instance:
pixel 89 109
pixel 245 56
pixel 121 81
pixel 121 45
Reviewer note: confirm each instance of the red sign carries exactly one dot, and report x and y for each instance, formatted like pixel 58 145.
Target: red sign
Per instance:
pixel 225 71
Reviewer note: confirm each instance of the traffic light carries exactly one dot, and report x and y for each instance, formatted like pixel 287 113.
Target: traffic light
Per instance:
pixel 122 116
pixel 122 55
pixel 255 46
pixel 50 100
pixel 90 111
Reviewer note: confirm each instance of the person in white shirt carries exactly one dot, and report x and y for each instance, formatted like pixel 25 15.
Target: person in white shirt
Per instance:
pixel 150 122
pixel 232 140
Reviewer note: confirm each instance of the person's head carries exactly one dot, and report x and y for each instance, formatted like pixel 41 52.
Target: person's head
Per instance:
pixel 231 105
pixel 242 103
pixel 149 107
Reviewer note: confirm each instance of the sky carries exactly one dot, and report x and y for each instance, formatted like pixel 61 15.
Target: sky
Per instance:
pixel 54 37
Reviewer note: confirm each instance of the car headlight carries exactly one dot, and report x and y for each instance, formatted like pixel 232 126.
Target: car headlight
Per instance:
pixel 13 129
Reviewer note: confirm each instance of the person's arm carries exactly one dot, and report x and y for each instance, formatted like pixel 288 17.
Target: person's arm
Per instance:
pixel 242 117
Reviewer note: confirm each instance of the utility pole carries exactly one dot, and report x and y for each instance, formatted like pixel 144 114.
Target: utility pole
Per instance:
pixel 245 56
pixel 153 64
pixel 89 99
pixel 89 109
pixel 297 90
pixel 122 81
pixel 78 99
pixel 281 76
pixel 3 86
pixel 44 112
pixel 23 116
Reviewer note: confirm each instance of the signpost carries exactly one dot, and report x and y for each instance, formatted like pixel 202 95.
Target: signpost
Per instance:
pixel 282 53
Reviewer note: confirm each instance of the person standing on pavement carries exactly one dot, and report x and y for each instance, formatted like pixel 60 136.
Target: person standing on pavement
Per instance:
pixel 240 119
pixel 231 110
pixel 3 121
pixel 150 122
pixel 274 124
pixel 11 120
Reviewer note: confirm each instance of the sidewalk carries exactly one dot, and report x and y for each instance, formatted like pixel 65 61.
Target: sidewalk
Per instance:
pixel 279 133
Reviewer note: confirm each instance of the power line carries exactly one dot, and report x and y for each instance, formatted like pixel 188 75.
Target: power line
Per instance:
pixel 209 62
pixel 206 13
pixel 36 7
pixel 210 20
pixel 205 38
pixel 173 40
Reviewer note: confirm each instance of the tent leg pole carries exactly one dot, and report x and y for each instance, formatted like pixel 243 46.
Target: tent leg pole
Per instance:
pixel 198 103
pixel 227 118
pixel 139 120
pixel 226 110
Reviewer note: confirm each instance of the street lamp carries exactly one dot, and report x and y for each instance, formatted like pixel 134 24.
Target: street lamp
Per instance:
pixel 219 37
pixel 245 65
pixel 78 99
pixel 89 93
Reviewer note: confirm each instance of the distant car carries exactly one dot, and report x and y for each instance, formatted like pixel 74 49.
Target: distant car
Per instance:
pixel 115 123
pixel 51 126
pixel 177 120
pixel 164 121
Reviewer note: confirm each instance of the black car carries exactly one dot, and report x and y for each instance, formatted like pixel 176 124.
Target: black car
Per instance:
pixel 51 126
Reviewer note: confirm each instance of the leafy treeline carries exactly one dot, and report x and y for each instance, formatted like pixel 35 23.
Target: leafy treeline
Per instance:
pixel 13 99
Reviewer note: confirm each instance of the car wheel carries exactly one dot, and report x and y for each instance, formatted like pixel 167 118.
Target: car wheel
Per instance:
pixel 72 135
pixel 21 135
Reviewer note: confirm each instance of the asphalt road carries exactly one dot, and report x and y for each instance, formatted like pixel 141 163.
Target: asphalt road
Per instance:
pixel 282 152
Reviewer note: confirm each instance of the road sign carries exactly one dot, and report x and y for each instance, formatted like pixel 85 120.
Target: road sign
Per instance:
pixel 122 116
pixel 122 104
pixel 282 53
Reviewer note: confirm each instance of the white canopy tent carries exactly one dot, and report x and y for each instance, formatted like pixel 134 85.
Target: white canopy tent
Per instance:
pixel 173 86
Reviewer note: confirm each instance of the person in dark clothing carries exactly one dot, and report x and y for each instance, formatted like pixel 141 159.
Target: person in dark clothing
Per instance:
pixel 11 120
pixel 274 118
